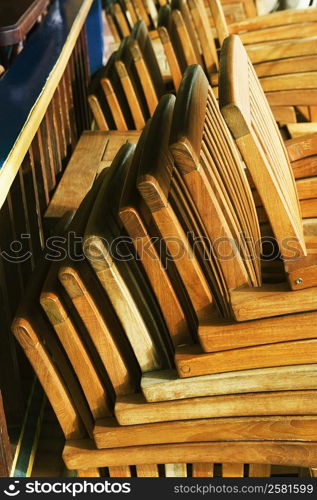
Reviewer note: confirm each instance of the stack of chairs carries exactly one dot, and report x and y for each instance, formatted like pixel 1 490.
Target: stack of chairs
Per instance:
pixel 122 15
pixel 161 339
pixel 282 47
pixel 124 94
pixel 285 64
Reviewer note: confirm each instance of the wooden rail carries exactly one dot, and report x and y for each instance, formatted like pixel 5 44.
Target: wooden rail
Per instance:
pixel 43 112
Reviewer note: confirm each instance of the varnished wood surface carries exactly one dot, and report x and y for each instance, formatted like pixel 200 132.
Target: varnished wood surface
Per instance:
pixel 133 409
pixel 83 453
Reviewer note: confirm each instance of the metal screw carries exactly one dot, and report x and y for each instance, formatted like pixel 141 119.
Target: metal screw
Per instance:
pixel 299 281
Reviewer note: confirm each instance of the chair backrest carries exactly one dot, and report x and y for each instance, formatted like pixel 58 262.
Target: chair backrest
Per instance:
pixel 183 8
pixel 121 275
pixel 131 56
pixel 58 311
pixel 112 27
pixel 131 13
pixel 173 22
pixel 203 30
pixel 131 89
pixel 162 274
pixel 102 326
pixel 208 160
pixel 47 355
pixel 120 19
pixel 163 31
pixel 51 365
pixel 106 87
pixel 141 35
pixel 248 115
pixel 219 19
pixel 141 12
pixel 173 218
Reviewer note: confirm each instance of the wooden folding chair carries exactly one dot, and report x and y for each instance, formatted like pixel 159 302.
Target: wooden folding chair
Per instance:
pixel 156 437
pixel 234 11
pixel 56 376
pixel 282 49
pixel 141 35
pixel 122 279
pixel 119 18
pixel 214 333
pixel 200 456
pixel 253 127
pixel 289 24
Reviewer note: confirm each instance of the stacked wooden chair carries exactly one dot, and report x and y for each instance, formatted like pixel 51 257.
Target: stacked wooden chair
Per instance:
pixel 124 14
pixel 235 12
pixel 282 47
pixel 169 276
pixel 285 64
pixel 125 93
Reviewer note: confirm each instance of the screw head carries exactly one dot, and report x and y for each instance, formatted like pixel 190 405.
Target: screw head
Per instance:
pixel 299 281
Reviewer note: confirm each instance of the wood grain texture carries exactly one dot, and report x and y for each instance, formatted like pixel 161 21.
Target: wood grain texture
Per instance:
pixel 191 361
pixel 70 338
pixel 88 473
pixel 301 147
pixel 147 470
pixel 101 324
pixel 122 280
pixel 203 470
pixel 165 385
pixel 232 470
pixel 253 126
pixel 216 334
pixel 259 470
pixel 277 50
pixel 133 409
pixel 280 18
pixel 108 434
pixel 271 300
pixel 82 454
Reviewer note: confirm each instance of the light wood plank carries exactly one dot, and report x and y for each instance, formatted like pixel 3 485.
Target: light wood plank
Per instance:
pixel 165 385
pixel 108 434
pixel 192 361
pixel 133 409
pixel 82 454
pixel 232 470
pixel 259 470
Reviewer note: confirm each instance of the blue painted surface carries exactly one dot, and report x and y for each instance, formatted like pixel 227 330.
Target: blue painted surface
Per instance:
pixel 24 81
pixel 94 30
